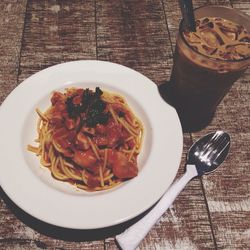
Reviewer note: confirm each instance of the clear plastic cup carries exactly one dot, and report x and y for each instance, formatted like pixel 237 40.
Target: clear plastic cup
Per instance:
pixel 199 82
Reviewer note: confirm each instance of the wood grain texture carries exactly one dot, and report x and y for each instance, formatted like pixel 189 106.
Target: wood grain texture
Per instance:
pixel 173 19
pixel 54 32
pixel 11 30
pixel 212 212
pixel 12 17
pixel 242 5
pixel 128 30
pixel 185 225
pixel 227 189
pixel 134 33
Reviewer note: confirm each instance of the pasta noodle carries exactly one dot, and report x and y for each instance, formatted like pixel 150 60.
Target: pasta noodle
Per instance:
pixel 88 138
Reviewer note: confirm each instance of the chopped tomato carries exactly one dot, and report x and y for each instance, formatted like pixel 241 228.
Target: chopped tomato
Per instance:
pixel 72 123
pixel 122 168
pixel 60 132
pixel 88 130
pixel 131 144
pixel 109 136
pixel 101 140
pixel 55 117
pixel 69 122
pixel 77 100
pixel 60 106
pixel 57 96
pixel 56 121
pixel 79 92
pixel 101 129
pixel 64 141
pixel 114 135
pixel 85 159
pixel 93 181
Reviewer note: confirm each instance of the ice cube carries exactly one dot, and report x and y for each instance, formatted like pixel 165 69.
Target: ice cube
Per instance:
pixel 231 35
pixel 228 30
pixel 209 50
pixel 211 37
pixel 226 55
pixel 191 37
pixel 243 50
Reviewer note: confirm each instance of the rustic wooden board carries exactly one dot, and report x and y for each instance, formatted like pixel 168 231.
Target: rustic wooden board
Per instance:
pixel 227 189
pixel 11 30
pixel 139 34
pixel 129 34
pixel 242 5
pixel 20 231
pixel 228 207
pixel 185 225
pixel 54 32
pixel 134 33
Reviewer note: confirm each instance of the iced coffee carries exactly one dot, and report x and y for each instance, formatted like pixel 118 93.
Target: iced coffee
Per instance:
pixel 207 62
pixel 219 38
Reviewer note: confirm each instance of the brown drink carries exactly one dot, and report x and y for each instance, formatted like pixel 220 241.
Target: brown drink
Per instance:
pixel 207 62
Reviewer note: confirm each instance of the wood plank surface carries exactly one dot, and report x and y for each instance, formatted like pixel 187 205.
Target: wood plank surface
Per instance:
pixel 127 30
pixel 54 32
pixel 11 29
pixel 211 212
pixel 242 5
pixel 134 33
pixel 228 202
pixel 227 189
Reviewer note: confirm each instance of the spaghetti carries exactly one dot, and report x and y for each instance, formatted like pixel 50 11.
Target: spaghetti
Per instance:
pixel 88 138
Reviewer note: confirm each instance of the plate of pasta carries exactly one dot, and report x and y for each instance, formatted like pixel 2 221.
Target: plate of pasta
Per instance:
pixel 87 144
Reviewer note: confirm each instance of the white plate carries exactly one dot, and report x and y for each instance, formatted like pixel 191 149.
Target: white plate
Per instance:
pixel 31 186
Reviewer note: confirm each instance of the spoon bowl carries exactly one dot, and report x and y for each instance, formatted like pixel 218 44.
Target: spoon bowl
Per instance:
pixel 209 152
pixel 203 157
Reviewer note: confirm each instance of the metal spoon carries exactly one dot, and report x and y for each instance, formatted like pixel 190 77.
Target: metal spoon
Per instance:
pixel 203 157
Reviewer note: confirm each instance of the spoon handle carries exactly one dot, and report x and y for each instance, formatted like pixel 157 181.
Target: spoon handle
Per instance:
pixel 131 238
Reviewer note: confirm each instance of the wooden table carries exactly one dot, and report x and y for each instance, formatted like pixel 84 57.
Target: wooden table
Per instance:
pixel 213 212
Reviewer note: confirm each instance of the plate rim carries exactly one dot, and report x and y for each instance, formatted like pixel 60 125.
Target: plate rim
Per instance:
pixel 106 64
